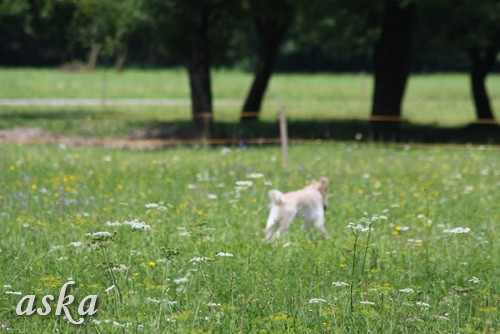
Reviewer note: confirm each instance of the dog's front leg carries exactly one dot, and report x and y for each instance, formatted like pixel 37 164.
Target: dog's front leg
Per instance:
pixel 319 223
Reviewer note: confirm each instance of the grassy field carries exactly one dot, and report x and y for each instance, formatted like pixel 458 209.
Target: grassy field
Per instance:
pixel 442 99
pixel 412 273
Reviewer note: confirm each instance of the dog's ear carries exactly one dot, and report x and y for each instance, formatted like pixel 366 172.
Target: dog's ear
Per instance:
pixel 323 185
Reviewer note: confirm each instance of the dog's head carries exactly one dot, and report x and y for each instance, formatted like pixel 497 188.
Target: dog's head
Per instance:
pixel 322 187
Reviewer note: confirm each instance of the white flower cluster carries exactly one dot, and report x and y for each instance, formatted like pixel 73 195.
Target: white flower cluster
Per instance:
pixel 357 227
pixel 366 302
pixel 222 254
pixel 244 184
pixel 407 290
pixel 422 304
pixel 158 206
pixel 100 234
pixel 214 305
pixel 120 267
pixel 458 230
pixel 158 301
pixel 340 284
pixel 316 301
pixel 181 280
pixel 255 175
pixel 474 280
pixel 198 259
pixel 137 225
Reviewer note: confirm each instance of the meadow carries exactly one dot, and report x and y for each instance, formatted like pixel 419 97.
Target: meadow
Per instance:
pixel 440 99
pixel 183 249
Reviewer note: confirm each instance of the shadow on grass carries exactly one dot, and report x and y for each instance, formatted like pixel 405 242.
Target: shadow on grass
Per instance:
pixel 326 129
pixel 329 130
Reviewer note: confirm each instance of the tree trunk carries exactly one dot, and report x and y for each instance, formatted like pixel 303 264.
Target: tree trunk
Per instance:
pixel 271 30
pixel 94 53
pixel 481 65
pixel 198 65
pixel 391 69
pixel 120 61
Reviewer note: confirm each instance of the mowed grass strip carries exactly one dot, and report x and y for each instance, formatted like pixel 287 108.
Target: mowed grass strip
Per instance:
pixel 443 99
pixel 429 265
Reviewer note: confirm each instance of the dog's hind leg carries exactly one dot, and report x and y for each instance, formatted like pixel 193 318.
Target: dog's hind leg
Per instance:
pixel 285 222
pixel 272 221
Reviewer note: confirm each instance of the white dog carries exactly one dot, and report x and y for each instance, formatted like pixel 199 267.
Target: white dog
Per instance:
pixel 310 201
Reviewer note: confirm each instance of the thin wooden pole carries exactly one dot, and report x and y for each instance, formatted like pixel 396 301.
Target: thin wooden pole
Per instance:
pixel 284 136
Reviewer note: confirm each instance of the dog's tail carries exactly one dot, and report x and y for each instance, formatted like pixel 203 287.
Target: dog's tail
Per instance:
pixel 275 196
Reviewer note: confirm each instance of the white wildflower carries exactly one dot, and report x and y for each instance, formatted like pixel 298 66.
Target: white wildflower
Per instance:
pixel 181 280
pixel 117 324
pixel 56 247
pixel 458 230
pixel 108 223
pixel 407 290
pixel 222 254
pixel 474 280
pixel 137 225
pixel 316 301
pixel 214 305
pixel 366 302
pixel 203 176
pixel 75 244
pixel 152 205
pixel 158 301
pixel 185 234
pixel 120 267
pixel 13 293
pixel 108 290
pixel 340 284
pixel 198 259
pixel 255 175
pixel 7 286
pixel 422 304
pixel 244 183
pixel 100 234
pixel 212 196
pixel 358 227
pixel 171 320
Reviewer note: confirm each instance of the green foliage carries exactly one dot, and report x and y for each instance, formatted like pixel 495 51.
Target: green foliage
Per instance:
pixel 107 23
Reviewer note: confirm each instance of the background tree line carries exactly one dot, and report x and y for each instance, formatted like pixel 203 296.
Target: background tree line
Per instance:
pixel 389 38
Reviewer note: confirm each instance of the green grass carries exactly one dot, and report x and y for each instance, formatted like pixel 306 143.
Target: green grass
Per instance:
pixel 435 98
pixel 53 196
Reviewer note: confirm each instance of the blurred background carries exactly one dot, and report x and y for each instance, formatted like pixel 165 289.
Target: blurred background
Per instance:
pixel 392 70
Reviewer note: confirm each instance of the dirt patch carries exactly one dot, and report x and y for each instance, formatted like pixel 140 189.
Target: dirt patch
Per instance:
pixel 24 133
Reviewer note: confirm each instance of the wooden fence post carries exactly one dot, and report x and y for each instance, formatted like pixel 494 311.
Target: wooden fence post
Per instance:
pixel 284 136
